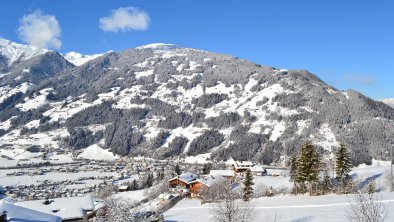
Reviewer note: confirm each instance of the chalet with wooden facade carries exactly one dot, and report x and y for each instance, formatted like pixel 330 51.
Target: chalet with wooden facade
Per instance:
pixel 181 183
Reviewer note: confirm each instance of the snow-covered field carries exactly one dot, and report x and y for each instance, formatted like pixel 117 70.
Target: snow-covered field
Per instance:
pixel 302 208
pixel 288 208
pixel 135 195
pixel 51 176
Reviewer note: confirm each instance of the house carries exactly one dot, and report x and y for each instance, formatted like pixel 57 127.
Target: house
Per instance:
pixel 123 188
pixel 11 212
pixel 181 183
pixel 74 209
pixel 228 174
pixel 258 170
pixel 196 186
pixel 242 166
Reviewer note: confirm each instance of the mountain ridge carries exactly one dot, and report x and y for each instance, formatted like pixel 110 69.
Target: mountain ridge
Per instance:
pixel 166 101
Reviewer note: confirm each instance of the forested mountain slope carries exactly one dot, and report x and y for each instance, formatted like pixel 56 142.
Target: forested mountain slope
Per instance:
pixel 163 101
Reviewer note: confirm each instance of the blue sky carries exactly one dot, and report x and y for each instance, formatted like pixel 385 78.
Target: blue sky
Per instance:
pixel 349 44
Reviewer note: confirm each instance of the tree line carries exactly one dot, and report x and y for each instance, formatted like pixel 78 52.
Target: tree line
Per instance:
pixel 309 173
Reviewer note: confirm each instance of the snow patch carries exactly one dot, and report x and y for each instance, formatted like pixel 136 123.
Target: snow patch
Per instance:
pixel 200 159
pixel 144 73
pixel 78 59
pixel 326 138
pixel 95 152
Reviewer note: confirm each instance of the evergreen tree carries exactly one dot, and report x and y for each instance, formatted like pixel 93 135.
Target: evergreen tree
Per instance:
pixel 177 169
pixel 134 185
pixel 326 183
pixel 343 166
pixel 149 180
pixel 161 175
pixel 293 171
pixel 309 166
pixel 206 168
pixel 248 182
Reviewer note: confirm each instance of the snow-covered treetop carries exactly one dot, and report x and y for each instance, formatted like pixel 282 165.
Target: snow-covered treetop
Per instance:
pixel 14 51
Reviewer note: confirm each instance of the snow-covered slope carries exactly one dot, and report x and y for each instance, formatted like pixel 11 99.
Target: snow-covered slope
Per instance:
pixel 389 102
pixel 79 59
pixel 162 100
pixel 13 51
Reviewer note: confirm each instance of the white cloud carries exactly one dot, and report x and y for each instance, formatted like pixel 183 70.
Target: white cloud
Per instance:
pixel 125 19
pixel 41 30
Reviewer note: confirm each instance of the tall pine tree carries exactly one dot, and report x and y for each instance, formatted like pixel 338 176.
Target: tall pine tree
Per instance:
pixel 207 168
pixel 177 169
pixel 343 166
pixel 134 185
pixel 293 171
pixel 248 183
pixel 309 166
pixel 149 180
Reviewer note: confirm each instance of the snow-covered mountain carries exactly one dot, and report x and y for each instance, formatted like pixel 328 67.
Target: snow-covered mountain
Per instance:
pixel 11 52
pixel 389 102
pixel 78 59
pixel 162 100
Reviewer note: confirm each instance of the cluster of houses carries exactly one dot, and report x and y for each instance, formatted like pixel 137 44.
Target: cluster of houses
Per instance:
pixel 191 184
pixel 80 207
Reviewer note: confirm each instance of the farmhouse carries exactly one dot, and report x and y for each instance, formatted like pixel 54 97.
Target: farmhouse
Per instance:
pixel 123 188
pixel 196 186
pixel 181 183
pixel 242 166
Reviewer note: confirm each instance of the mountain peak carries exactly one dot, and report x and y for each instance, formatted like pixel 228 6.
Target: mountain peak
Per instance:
pixel 14 51
pixel 79 59
pixel 389 102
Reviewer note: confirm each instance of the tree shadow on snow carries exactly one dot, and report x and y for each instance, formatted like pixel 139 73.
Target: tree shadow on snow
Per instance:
pixel 369 179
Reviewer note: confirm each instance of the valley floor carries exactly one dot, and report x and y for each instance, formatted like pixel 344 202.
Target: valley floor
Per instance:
pixel 288 208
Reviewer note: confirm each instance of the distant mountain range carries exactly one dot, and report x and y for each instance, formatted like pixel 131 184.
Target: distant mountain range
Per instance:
pixel 389 102
pixel 165 101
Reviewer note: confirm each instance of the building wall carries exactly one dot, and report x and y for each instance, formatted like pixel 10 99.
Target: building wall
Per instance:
pixel 195 188
pixel 177 182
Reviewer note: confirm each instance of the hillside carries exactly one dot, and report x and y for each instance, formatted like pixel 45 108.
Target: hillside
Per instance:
pixel 164 101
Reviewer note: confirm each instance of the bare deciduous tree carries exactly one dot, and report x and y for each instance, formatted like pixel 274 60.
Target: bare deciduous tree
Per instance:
pixel 366 208
pixel 231 208
pixel 120 210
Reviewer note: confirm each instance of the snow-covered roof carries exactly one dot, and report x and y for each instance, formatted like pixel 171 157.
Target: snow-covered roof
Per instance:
pixel 257 168
pixel 185 177
pixel 225 173
pixel 22 214
pixel 208 181
pixel 244 163
pixel 123 187
pixel 67 208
